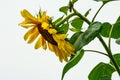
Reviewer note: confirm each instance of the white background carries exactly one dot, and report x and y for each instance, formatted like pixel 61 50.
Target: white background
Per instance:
pixel 20 61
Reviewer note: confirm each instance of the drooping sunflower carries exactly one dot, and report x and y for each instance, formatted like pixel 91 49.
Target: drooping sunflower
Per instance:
pixel 40 26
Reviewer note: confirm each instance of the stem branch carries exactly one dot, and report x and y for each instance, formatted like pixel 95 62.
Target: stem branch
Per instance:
pixel 65 19
pixel 109 41
pixel 96 52
pixel 98 12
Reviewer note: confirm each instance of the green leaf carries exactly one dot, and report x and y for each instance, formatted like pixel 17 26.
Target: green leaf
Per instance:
pixel 116 31
pixel 73 1
pixel 106 27
pixel 102 71
pixel 72 62
pixel 74 37
pixel 78 22
pixel 87 36
pixel 117 58
pixel 118 20
pixel 118 41
pixel 87 12
pixel 58 20
pixel 105 1
pixel 64 9
pixel 63 29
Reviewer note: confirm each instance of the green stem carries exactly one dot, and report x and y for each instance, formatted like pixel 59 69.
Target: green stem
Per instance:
pixel 65 19
pixel 74 14
pixel 81 16
pixel 109 41
pixel 96 52
pixel 107 48
pixel 109 54
pixel 98 12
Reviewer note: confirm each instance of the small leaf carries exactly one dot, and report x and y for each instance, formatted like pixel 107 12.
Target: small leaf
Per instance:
pixel 58 20
pixel 105 1
pixel 87 12
pixel 87 36
pixel 64 9
pixel 102 71
pixel 106 27
pixel 118 41
pixel 117 58
pixel 116 31
pixel 72 62
pixel 64 28
pixel 73 1
pixel 77 23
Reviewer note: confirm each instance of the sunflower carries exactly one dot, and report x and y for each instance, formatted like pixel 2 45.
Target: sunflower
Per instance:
pixel 40 27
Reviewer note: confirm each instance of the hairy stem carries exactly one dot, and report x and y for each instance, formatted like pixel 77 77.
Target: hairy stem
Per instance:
pixel 109 54
pixel 107 48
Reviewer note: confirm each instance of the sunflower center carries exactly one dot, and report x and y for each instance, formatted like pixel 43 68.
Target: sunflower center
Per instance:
pixel 46 35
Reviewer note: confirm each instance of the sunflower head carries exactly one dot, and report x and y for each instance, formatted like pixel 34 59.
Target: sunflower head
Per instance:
pixel 41 29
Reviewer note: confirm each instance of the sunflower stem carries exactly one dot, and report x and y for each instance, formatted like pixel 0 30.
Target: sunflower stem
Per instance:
pixel 109 54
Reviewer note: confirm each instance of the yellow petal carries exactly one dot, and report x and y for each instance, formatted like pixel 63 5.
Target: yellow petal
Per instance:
pixel 44 45
pixel 26 25
pixel 69 48
pixel 51 47
pixel 64 55
pixel 44 17
pixel 28 17
pixel 59 54
pixel 58 37
pixel 33 36
pixel 29 33
pixel 55 50
pixel 38 43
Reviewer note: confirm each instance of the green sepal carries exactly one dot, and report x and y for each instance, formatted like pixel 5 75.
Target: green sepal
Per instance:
pixel 102 71
pixel 78 56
